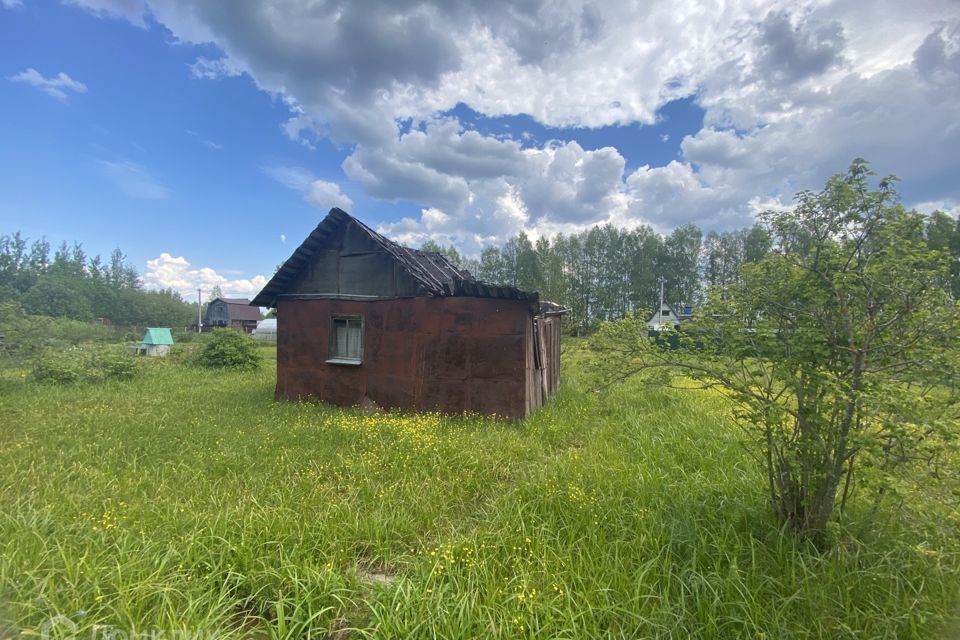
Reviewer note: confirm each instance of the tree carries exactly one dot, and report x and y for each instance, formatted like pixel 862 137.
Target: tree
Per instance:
pixel 450 252
pixel 837 349
pixel 529 269
pixel 943 234
pixel 58 296
pixel 679 265
pixel 492 268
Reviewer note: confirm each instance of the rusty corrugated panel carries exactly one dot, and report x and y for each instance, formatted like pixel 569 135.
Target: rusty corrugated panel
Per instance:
pixel 446 354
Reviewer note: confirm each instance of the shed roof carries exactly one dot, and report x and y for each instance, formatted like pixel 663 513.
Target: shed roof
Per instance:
pixel 433 272
pixel 157 336
pixel 240 308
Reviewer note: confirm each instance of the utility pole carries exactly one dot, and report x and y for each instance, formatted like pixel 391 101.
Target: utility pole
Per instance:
pixel 660 308
pixel 200 311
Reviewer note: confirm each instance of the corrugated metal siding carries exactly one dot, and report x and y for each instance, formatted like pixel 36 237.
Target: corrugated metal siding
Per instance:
pixel 445 354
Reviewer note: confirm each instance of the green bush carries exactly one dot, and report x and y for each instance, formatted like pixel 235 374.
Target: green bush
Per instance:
pixel 61 367
pixel 26 335
pixel 227 349
pixel 85 364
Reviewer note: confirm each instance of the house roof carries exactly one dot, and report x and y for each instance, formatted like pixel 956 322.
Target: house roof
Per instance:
pixel 432 272
pixel 240 308
pixel 157 336
pixel 686 314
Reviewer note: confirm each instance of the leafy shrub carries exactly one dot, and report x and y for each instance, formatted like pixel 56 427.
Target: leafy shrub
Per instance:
pixel 227 349
pixel 26 335
pixel 85 365
pixel 115 364
pixel 61 367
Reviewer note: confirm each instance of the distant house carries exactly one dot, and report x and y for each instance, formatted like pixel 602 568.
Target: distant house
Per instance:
pixel 266 330
pixel 232 313
pixel 666 317
pixel 156 342
pixel 365 321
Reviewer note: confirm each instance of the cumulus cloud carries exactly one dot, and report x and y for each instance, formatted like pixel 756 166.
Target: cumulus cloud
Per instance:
pixel 949 207
pixel 789 52
pixel 320 193
pixel 792 91
pixel 59 86
pixel 133 179
pixel 175 272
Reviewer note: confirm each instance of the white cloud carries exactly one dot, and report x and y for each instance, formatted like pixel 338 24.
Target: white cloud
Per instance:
pixel 130 10
pixel 290 176
pixel 207 69
pixel 10 4
pixel 57 86
pixel 210 144
pixel 792 91
pixel 319 193
pixel 951 208
pixel 175 272
pixel 326 195
pixel 133 179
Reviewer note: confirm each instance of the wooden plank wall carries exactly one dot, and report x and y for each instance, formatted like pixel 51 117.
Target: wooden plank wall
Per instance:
pixel 543 361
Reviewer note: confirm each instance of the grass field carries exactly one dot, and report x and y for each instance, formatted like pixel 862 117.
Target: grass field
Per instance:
pixel 190 504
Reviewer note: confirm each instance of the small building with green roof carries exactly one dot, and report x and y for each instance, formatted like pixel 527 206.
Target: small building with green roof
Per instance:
pixel 156 342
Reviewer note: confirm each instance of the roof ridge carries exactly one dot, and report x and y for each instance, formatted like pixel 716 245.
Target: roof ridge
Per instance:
pixel 433 271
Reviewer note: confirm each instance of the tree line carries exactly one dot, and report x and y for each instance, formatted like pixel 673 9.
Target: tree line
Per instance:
pixel 608 273
pixel 602 274
pixel 65 282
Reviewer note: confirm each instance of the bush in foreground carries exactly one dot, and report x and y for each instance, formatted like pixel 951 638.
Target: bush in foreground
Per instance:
pixel 228 349
pixel 838 350
pixel 85 364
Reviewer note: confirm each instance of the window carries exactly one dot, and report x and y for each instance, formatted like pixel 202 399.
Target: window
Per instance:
pixel 665 312
pixel 346 340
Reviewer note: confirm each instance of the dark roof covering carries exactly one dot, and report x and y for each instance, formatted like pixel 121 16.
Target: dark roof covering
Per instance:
pixel 433 272
pixel 548 309
pixel 240 308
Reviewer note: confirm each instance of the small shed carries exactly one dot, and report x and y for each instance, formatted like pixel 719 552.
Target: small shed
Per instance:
pixel 232 313
pixel 365 321
pixel 156 342
pixel 266 330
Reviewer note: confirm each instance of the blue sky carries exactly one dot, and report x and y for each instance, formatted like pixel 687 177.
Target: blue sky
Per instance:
pixel 189 133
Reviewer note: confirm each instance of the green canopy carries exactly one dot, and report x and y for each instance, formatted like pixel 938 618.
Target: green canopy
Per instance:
pixel 157 336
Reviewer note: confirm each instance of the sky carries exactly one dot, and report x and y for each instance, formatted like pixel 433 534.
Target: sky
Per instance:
pixel 207 139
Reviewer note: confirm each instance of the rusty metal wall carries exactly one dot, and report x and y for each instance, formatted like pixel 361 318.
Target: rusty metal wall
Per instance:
pixel 450 354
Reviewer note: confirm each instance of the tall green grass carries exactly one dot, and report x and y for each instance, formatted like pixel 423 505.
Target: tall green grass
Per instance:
pixel 190 502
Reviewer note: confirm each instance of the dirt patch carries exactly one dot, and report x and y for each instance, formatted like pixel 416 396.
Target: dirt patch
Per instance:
pixel 377 575
pixel 340 629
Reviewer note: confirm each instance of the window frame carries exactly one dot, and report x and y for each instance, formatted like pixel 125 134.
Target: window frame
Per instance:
pixel 332 356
